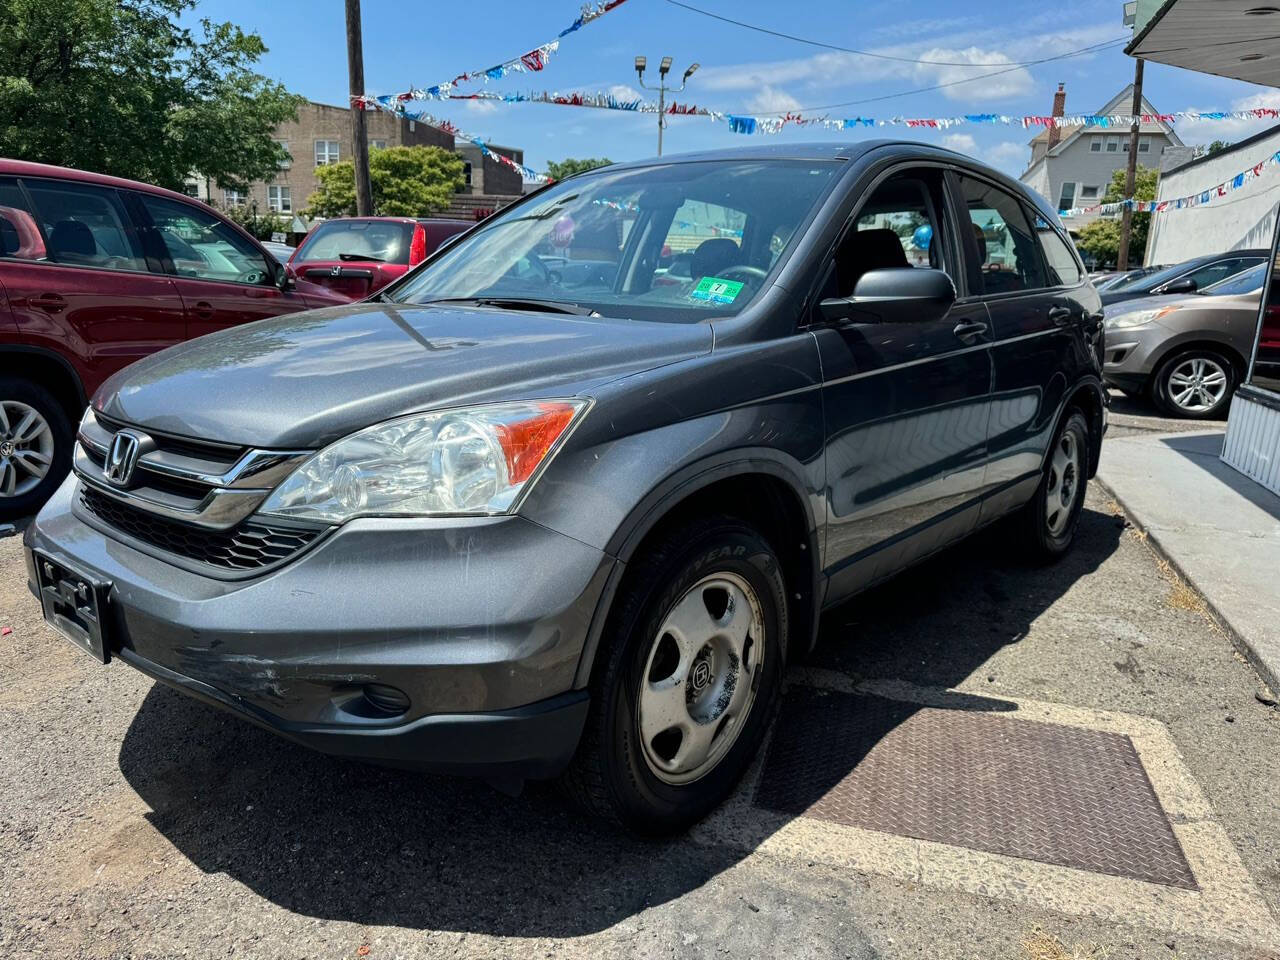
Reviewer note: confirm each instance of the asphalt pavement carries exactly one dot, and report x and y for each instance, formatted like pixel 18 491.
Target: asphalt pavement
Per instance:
pixel 137 823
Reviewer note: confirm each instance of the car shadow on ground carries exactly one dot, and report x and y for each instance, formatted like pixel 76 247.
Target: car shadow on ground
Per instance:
pixel 341 840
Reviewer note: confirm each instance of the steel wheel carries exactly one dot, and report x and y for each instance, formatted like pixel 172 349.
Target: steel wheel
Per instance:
pixel 1064 477
pixel 1197 384
pixel 700 678
pixel 26 448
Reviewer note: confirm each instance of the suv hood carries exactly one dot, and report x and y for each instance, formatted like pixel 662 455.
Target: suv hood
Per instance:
pixel 307 379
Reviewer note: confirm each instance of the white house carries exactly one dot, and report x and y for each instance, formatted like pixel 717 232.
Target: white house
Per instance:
pixel 1071 166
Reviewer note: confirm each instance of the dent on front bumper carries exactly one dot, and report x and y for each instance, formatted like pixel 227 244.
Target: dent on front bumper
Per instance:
pixel 480 622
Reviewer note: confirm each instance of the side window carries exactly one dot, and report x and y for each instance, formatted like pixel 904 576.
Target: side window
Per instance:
pixel 710 233
pixel 202 245
pixel 897 226
pixel 1007 250
pixel 1064 270
pixel 19 236
pixel 84 226
pixel 1211 273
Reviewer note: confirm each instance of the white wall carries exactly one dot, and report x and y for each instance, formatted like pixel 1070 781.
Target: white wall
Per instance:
pixel 1243 218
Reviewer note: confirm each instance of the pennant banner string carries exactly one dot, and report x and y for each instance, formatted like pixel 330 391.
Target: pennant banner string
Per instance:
pixel 530 61
pixel 1197 199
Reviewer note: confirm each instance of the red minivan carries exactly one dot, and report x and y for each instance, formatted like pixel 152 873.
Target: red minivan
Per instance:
pixel 356 256
pixel 96 272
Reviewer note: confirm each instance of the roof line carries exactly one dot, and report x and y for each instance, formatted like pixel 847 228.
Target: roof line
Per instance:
pixel 1150 25
pixel 1270 131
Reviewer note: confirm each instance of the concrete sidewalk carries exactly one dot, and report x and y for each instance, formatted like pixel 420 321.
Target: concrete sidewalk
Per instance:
pixel 1215 526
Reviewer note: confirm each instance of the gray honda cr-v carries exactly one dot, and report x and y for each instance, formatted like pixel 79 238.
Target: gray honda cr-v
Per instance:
pixel 520 520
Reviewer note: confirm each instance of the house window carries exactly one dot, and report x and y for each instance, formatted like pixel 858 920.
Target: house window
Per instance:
pixel 466 173
pixel 233 198
pixel 377 144
pixel 287 160
pixel 326 152
pixel 1095 145
pixel 1067 199
pixel 1144 144
pixel 279 199
pixel 1089 193
pixel 1113 144
pixel 191 189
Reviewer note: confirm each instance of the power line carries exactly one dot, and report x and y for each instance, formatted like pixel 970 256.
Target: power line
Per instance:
pixel 861 53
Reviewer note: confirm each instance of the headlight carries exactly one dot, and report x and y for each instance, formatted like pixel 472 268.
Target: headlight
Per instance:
pixel 468 461
pixel 1136 318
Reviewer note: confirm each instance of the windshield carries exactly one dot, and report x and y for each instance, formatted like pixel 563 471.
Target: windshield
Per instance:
pixel 677 242
pixel 1250 281
pixel 376 240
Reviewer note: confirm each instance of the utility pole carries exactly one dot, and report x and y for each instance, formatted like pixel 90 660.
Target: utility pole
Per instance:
pixel 662 89
pixel 1126 217
pixel 359 129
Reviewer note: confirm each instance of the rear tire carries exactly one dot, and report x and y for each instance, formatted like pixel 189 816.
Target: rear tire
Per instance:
pixel 1195 384
pixel 656 764
pixel 1048 521
pixel 35 446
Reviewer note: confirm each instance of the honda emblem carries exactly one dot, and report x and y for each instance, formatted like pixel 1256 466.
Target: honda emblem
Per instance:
pixel 122 457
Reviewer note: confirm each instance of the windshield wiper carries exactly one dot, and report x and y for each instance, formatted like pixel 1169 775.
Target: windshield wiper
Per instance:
pixel 360 256
pixel 519 303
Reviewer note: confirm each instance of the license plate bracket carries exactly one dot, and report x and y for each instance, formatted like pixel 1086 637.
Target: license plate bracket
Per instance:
pixel 73 603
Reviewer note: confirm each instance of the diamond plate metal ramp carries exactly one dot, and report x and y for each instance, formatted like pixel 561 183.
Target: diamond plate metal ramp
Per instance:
pixel 1037 791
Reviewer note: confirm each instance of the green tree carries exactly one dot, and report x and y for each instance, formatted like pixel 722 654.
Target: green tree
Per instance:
pixel 1102 237
pixel 407 182
pixel 1216 147
pixel 119 87
pixel 559 169
pixel 261 227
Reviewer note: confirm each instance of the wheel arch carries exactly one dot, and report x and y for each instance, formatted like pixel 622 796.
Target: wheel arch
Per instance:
pixel 1090 399
pixel 757 486
pixel 1200 341
pixel 53 372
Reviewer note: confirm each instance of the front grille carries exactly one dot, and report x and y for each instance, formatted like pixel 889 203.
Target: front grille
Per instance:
pixel 249 546
pixel 226 453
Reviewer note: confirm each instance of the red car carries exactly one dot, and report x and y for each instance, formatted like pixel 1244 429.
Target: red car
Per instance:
pixel 96 272
pixel 355 256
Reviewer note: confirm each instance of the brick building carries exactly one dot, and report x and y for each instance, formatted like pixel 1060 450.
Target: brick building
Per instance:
pixel 322 135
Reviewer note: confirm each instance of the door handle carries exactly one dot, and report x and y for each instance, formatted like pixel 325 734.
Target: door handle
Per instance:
pixel 49 302
pixel 203 310
pixel 968 330
pixel 1061 316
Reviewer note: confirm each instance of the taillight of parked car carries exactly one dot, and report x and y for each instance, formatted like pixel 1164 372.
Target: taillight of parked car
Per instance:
pixel 418 246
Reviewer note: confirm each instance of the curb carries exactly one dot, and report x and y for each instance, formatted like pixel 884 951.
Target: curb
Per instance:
pixel 1243 645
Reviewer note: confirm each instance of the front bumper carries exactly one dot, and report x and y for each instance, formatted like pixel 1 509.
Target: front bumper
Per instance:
pixel 480 623
pixel 1129 354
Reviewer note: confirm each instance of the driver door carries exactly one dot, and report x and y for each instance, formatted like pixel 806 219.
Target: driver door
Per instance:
pixel 223 277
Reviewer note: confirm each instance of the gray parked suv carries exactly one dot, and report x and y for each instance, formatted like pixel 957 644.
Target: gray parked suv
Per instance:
pixel 1187 353
pixel 497 521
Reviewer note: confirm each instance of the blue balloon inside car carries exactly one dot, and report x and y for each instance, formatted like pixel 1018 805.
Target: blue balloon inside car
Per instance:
pixel 922 237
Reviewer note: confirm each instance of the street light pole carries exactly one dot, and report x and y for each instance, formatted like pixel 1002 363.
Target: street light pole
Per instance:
pixel 359 129
pixel 663 68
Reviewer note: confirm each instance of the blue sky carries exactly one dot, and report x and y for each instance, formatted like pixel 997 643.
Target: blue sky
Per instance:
pixel 409 44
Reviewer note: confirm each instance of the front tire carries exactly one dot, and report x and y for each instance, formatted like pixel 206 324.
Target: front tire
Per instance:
pixel 35 446
pixel 689 679
pixel 1195 384
pixel 1049 520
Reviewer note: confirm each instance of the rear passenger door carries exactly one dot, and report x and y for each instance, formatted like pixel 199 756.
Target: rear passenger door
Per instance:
pixel 906 404
pixel 1038 321
pixel 77 279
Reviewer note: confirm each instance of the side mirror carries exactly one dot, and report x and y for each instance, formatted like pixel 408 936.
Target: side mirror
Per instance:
pixel 1185 285
pixel 283 276
pixel 894 295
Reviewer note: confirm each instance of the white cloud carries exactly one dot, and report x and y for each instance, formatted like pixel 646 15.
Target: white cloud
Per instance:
pixel 960 142
pixel 772 100
pixel 1009 82
pixel 1006 152
pixel 481 106
pixel 621 91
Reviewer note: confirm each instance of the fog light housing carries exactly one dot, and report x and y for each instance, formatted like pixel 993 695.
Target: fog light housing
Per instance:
pixel 386 700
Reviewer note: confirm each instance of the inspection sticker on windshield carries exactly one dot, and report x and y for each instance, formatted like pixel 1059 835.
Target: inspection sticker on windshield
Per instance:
pixel 716 290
